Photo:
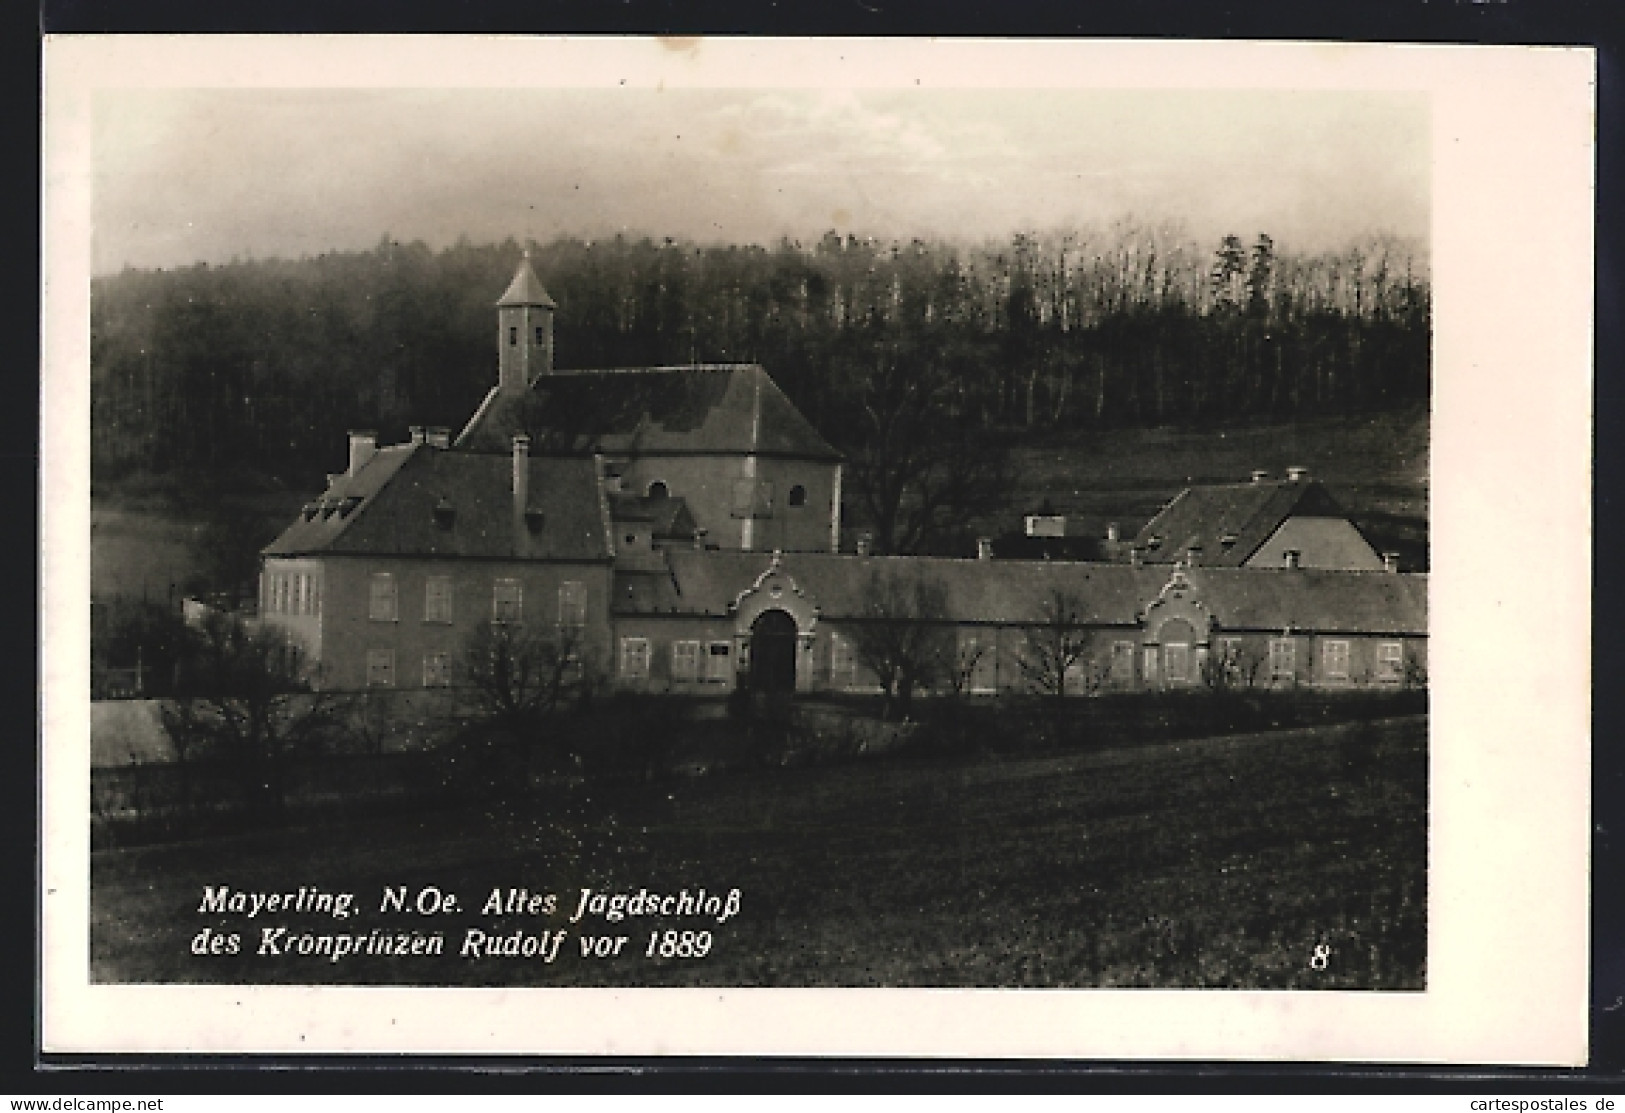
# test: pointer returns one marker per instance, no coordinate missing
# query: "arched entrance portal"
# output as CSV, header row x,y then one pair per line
x,y
773,652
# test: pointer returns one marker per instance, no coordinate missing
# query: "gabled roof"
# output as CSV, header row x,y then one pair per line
x,y
389,509
526,289
1231,520
1012,592
710,409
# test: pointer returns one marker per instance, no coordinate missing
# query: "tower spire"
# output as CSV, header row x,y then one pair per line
x,y
524,330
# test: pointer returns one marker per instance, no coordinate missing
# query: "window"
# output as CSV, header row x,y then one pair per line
x,y
685,660
635,658
1122,662
315,594
1075,680
513,337
1335,660
1283,659
507,601
658,490
1176,661
381,607
843,662
1390,662
718,663
437,670
1148,667
437,599
572,604
541,336
978,654
798,495
380,668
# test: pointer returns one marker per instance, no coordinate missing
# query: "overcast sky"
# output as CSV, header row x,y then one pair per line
x,y
184,176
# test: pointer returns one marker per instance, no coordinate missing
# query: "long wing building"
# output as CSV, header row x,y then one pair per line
x,y
683,524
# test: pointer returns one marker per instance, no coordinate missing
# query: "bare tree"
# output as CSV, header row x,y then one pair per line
x,y
515,679
922,469
1055,659
902,634
1231,667
244,696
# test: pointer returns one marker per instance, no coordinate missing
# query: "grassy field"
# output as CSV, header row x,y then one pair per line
x,y
1209,863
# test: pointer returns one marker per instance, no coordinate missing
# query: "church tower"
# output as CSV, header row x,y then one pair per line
x,y
524,332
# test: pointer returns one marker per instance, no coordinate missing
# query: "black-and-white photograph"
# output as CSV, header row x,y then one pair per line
x,y
761,537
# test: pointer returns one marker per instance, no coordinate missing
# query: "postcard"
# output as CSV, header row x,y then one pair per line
x,y
837,547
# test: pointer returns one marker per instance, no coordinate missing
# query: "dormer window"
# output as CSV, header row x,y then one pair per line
x,y
534,519
347,507
658,490
311,509
445,515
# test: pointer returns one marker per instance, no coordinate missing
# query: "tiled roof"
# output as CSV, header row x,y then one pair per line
x,y
1006,591
389,508
707,408
1245,514
526,289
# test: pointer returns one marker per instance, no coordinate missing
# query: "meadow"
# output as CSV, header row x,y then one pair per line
x,y
1283,859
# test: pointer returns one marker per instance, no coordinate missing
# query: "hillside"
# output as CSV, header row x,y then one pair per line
x,y
1376,465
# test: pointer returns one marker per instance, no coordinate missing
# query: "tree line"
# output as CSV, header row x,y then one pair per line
x,y
923,351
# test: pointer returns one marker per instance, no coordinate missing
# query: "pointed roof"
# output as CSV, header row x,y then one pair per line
x,y
704,409
1231,520
526,288
418,500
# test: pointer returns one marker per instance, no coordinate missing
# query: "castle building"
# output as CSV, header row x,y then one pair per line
x,y
682,526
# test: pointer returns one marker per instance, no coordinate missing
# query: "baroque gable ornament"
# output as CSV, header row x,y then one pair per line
x,y
1178,589
775,592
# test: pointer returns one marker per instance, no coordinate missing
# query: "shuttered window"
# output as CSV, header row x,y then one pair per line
x,y
507,601
382,607
685,660
437,599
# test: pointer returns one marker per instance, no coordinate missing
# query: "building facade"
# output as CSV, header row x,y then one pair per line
x,y
680,528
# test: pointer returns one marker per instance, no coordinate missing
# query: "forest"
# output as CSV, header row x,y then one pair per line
x,y
906,355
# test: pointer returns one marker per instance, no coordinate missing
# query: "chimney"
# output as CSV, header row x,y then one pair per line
x,y
1297,475
437,436
866,544
521,473
1292,557
984,548
1046,524
417,433
1390,562
1259,475
1112,533
363,447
